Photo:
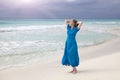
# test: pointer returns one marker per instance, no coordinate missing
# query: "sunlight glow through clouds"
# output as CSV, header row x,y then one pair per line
x,y
70,0
22,2
27,1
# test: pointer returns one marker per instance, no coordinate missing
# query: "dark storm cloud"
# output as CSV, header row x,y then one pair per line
x,y
62,9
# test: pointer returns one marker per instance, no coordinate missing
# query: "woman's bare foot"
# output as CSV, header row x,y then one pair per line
x,y
75,71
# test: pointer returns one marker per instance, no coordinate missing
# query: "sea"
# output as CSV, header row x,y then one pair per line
x,y
25,41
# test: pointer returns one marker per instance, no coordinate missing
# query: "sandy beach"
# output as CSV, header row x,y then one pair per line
x,y
100,62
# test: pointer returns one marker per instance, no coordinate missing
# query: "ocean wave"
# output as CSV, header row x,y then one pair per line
x,y
89,26
95,28
28,28
103,23
14,48
3,23
26,47
87,44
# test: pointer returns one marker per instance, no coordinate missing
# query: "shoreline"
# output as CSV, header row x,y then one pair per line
x,y
81,50
46,56
97,62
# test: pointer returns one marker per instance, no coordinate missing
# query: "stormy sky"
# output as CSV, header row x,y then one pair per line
x,y
35,9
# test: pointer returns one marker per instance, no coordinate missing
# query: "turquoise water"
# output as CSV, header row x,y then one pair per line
x,y
25,41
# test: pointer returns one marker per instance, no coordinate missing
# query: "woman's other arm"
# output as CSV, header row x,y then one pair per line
x,y
80,24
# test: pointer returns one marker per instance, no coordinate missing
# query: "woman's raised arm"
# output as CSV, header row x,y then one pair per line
x,y
80,24
67,22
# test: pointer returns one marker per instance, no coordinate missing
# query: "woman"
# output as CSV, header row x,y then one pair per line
x,y
71,57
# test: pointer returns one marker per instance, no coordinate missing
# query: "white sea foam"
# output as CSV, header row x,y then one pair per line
x,y
28,28
108,23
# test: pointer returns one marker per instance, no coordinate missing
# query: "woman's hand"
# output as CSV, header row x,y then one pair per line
x,y
67,22
80,24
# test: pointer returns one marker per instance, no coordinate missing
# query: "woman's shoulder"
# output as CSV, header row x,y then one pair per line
x,y
68,26
76,29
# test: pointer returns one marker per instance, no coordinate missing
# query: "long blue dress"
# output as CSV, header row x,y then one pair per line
x,y
71,57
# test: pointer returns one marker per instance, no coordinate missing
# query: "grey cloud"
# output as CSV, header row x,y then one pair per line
x,y
63,9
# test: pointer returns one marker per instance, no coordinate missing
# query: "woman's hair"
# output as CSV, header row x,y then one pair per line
x,y
76,22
